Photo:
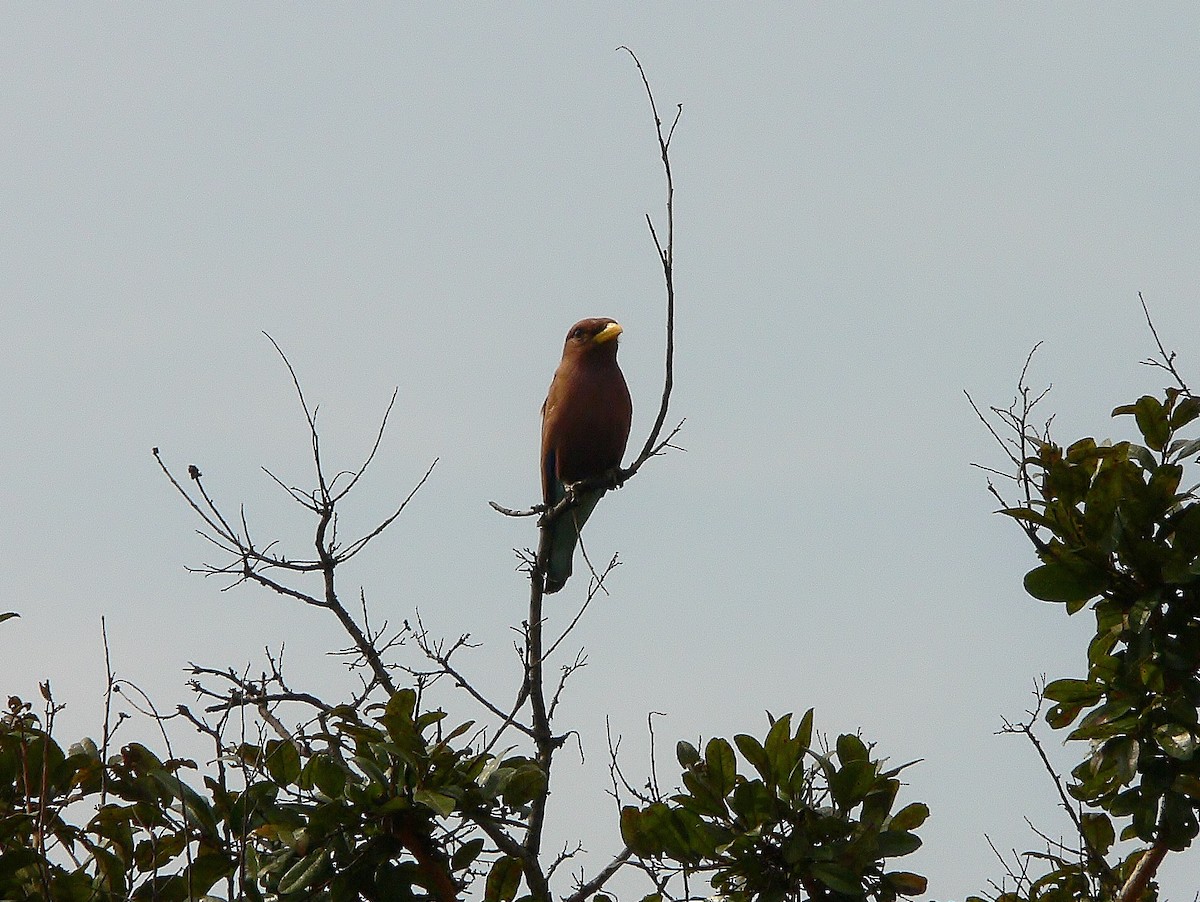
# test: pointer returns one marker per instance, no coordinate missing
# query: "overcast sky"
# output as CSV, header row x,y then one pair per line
x,y
878,207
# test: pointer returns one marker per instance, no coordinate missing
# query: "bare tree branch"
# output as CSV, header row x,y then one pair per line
x,y
1167,361
1025,728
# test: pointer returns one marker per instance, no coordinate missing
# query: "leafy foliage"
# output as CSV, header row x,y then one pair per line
x,y
375,813
390,808
802,824
1121,532
1115,531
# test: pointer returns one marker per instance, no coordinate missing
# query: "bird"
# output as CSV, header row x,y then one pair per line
x,y
585,426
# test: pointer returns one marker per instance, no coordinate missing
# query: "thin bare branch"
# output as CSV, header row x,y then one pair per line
x,y
1168,359
593,590
593,886
358,544
666,256
284,590
357,474
109,682
296,494
509,512
568,669
441,658
310,416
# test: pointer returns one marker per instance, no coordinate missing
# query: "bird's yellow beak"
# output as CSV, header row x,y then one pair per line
x,y
608,333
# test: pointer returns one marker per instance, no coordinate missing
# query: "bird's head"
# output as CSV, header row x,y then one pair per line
x,y
593,335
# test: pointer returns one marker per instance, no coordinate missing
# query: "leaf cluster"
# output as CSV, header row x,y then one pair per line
x,y
378,807
1119,530
151,836
1115,531
800,823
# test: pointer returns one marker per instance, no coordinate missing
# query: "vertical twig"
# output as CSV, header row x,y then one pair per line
x,y
108,694
543,738
666,256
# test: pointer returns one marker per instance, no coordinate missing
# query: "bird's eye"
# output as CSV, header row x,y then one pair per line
x,y
577,333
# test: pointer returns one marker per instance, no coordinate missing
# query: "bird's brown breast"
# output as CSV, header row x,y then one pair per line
x,y
586,417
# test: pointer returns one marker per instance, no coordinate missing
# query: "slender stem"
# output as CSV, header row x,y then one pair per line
x,y
666,256
543,738
594,885
108,694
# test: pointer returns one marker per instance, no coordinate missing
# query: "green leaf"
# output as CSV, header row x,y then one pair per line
x,y
1028,515
1081,451
633,835
1098,831
402,704
664,831
909,817
1177,741
197,810
779,750
466,853
851,748
701,798
838,878
283,761
1076,692
1152,421
1185,411
1188,784
904,883
686,753
1185,525
439,802
527,783
753,803
503,880
1125,803
1143,456
1121,754
1113,718
753,752
458,731
804,732
303,872
851,783
371,770
896,843
160,889
1059,582
878,804
1179,824
322,771
722,766
1182,450
206,870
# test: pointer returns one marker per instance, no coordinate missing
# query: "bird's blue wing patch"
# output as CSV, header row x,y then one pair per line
x,y
555,490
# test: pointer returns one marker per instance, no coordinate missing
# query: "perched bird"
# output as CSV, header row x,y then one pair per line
x,y
585,425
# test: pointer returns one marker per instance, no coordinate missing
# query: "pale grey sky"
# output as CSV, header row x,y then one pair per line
x,y
878,206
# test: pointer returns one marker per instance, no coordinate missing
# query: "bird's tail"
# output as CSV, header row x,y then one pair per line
x,y
559,540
